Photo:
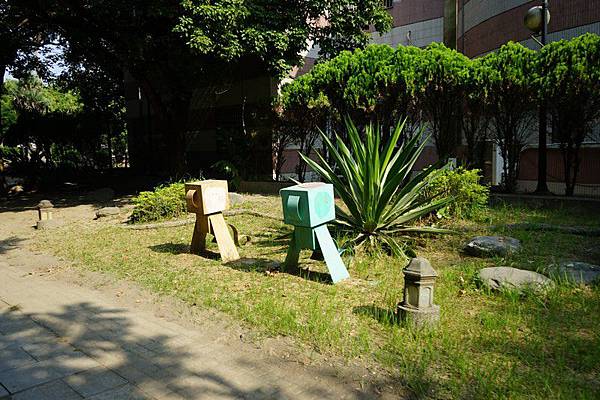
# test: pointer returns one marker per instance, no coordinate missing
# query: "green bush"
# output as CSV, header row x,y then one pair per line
x,y
470,197
165,202
227,171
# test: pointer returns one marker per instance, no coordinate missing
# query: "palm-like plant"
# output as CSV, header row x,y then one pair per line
x,y
376,186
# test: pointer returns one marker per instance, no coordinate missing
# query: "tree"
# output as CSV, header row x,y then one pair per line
x,y
167,44
45,117
440,87
510,72
303,116
8,112
21,37
276,31
375,84
475,115
569,80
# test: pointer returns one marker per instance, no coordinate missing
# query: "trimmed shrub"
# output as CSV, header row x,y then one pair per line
x,y
165,202
470,197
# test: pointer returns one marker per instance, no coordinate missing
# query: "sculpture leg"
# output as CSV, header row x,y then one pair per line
x,y
293,254
236,235
224,241
199,235
334,262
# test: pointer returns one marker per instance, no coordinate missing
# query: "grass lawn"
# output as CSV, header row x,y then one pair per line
x,y
488,345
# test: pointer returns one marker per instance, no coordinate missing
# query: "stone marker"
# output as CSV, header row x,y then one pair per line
x,y
107,212
45,210
489,246
417,307
45,220
577,272
512,278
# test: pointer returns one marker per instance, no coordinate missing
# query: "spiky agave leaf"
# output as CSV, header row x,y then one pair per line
x,y
375,184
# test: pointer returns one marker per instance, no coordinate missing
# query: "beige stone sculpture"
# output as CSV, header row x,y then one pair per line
x,y
208,199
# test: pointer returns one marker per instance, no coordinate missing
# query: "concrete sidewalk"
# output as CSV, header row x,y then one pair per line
x,y
61,341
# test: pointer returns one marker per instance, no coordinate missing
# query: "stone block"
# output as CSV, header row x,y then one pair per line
x,y
127,392
107,212
55,390
94,381
22,378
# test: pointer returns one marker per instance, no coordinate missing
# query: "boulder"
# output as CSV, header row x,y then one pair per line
x,y
14,190
513,278
107,212
235,199
577,272
489,246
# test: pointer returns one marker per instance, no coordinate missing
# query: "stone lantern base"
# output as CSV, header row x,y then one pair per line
x,y
419,318
47,224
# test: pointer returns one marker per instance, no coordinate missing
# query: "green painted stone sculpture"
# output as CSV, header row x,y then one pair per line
x,y
309,206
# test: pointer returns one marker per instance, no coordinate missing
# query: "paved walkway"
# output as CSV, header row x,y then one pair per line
x,y
63,341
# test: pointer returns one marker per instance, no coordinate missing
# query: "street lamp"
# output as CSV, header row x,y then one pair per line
x,y
536,20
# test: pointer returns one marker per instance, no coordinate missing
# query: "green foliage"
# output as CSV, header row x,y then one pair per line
x,y
381,84
374,181
376,84
475,112
276,32
510,73
469,196
55,129
440,87
7,109
569,81
228,171
164,202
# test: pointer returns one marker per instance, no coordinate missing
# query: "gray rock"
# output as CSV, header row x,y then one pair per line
x,y
235,198
513,278
16,189
489,246
107,212
104,194
577,272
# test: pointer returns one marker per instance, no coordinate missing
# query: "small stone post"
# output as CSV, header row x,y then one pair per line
x,y
44,214
417,308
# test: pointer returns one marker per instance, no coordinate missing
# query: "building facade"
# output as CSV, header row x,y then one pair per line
x,y
475,28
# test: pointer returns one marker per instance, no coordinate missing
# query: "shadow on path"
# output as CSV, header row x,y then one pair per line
x,y
34,356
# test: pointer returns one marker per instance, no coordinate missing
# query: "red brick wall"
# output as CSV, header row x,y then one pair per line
x,y
496,31
589,170
407,12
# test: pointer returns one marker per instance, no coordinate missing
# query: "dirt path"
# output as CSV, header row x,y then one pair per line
x,y
65,334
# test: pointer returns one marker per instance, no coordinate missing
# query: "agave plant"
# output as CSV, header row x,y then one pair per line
x,y
376,186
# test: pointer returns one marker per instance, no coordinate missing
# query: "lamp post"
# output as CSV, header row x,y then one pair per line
x,y
536,20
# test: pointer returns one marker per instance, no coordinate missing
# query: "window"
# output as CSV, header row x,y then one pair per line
x,y
388,3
